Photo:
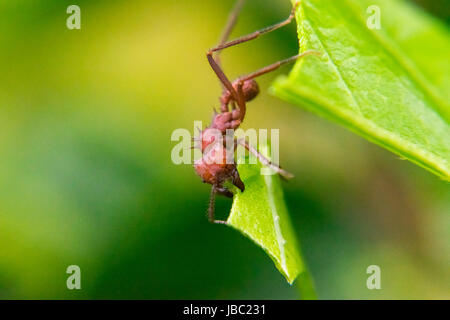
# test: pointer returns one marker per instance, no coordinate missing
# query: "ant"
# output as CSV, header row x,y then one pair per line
x,y
215,166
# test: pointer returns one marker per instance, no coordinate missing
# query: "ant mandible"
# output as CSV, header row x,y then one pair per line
x,y
215,167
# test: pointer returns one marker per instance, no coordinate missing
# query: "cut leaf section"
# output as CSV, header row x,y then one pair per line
x,y
385,84
260,213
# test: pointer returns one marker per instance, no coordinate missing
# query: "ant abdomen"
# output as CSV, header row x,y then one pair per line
x,y
217,166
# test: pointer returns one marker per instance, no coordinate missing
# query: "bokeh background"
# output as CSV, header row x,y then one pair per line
x,y
86,177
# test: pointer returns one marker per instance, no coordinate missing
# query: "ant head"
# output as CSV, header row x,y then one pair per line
x,y
250,88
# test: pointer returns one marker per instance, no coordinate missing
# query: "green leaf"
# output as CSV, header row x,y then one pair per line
x,y
260,213
391,86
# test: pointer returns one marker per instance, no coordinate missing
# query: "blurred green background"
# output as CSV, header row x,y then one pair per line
x,y
86,177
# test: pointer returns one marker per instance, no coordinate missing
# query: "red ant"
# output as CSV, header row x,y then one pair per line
x,y
213,167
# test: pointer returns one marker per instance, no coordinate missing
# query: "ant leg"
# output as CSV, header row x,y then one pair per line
x,y
212,200
215,65
221,75
232,19
237,181
238,95
241,100
240,81
257,33
277,64
224,192
285,174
